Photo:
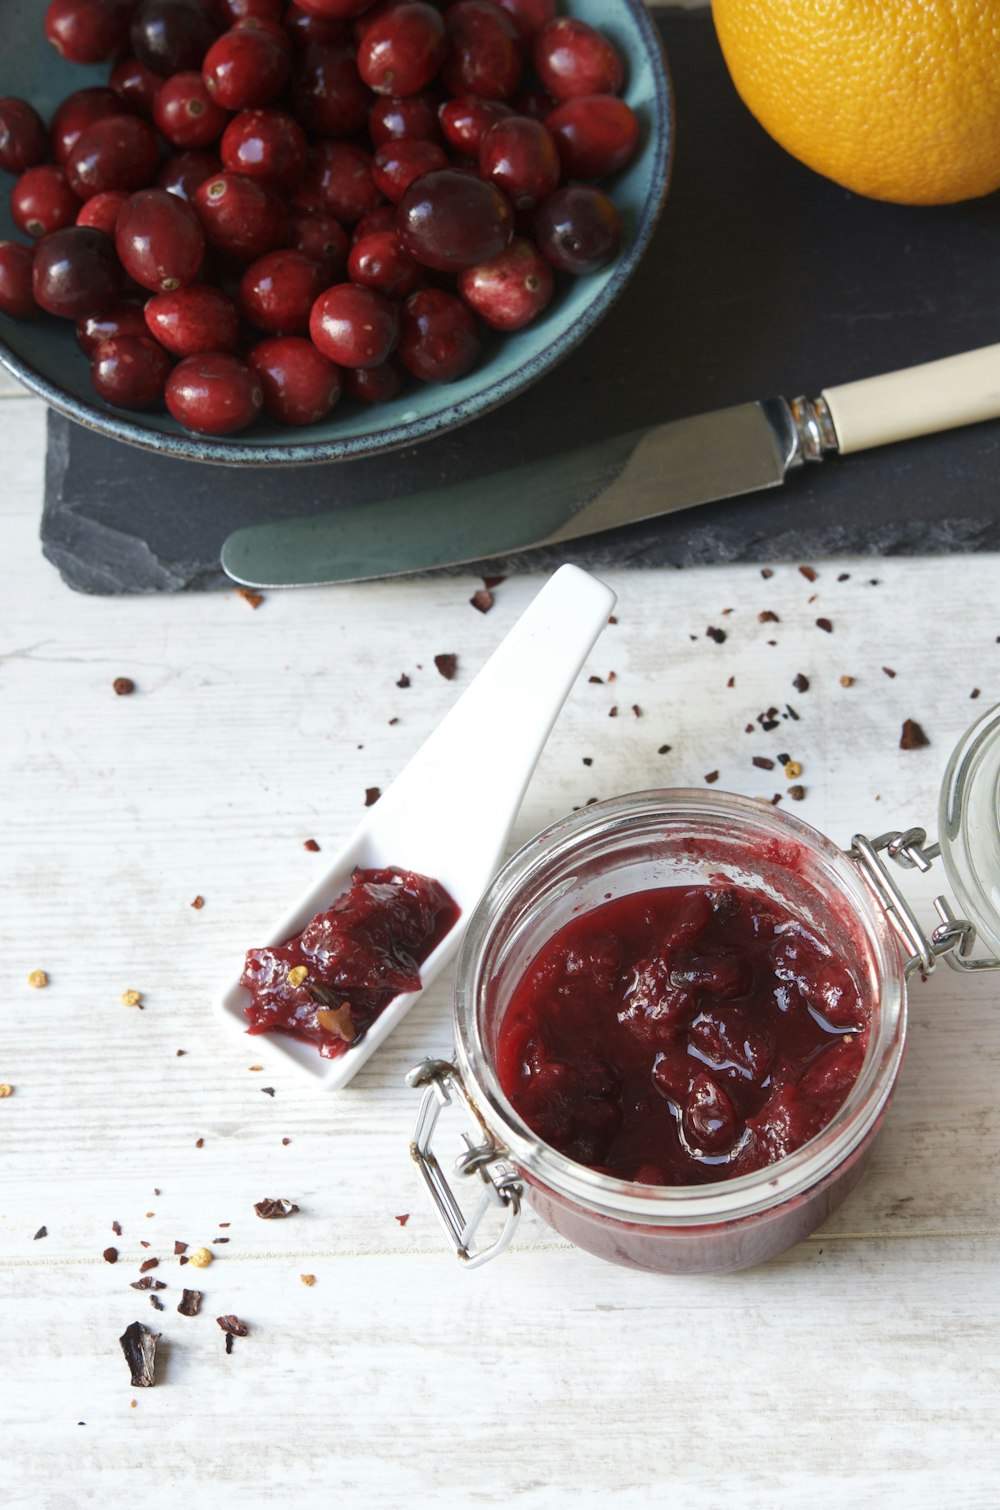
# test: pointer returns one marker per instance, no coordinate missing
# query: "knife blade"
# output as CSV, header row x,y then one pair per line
x,y
614,482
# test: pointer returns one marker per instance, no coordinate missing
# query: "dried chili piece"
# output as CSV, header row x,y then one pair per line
x,y
138,1344
447,665
273,1208
482,599
912,736
190,1302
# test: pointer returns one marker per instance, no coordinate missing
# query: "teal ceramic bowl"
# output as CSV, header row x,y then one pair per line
x,y
44,354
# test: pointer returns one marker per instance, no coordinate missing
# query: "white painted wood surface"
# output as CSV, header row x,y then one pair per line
x,y
860,1370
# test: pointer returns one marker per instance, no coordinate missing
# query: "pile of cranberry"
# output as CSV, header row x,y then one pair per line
x,y
270,203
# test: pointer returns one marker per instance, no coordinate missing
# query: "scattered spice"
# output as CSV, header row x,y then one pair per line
x,y
38,980
796,793
267,1090
138,1344
190,1302
308,1279
198,903
588,760
637,710
393,722
124,686
110,1255
131,998
790,713
612,676
844,576
825,625
116,1228
201,1258
809,572
766,616
285,1142
233,1327
613,712
482,600
763,763
372,794
801,683
297,975
493,581
447,665
793,768
255,599
311,846
913,736
731,682
42,1232
143,1244
147,1264
272,1208
596,680
712,776
199,1142
718,635
179,1248
147,1282
404,681
402,1220
612,618
847,681
664,749
179,1053
6,1090
766,573
255,1066
889,672
974,693
156,1303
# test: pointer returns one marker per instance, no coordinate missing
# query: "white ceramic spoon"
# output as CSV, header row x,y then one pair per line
x,y
449,812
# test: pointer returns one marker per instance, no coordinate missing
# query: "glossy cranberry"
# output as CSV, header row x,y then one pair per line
x,y
76,272
214,394
101,211
299,383
130,371
77,113
595,135
119,152
402,51
323,239
397,164
241,216
42,201
338,181
265,144
450,219
710,1120
278,291
466,119
24,142
510,290
135,85
328,94
194,319
16,297
232,11
520,157
171,36
573,59
304,28
382,218
528,16
379,262
354,326
337,10
125,318
484,54
392,119
438,336
186,171
186,113
578,229
159,240
247,67
88,31
374,385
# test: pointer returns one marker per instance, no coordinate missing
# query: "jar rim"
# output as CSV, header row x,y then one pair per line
x,y
970,847
681,1205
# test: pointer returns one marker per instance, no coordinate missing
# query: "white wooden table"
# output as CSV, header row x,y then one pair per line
x,y
861,1369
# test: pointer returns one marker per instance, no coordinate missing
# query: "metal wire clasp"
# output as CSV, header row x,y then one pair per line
x,y
442,1085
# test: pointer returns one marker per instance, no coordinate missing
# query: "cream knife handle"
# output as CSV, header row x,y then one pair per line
x,y
958,390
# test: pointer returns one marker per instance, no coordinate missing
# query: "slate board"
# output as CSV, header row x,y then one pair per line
x,y
763,278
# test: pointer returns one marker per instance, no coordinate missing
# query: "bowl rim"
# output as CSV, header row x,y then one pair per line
x,y
219,451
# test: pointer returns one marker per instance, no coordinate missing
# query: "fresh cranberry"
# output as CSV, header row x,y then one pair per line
x,y
214,394
241,216
160,240
354,326
572,59
247,67
382,218
193,319
125,318
135,85
484,54
130,371
596,134
300,385
88,31
402,51
508,291
76,272
265,144
102,210
16,297
337,10
338,181
184,173
323,239
119,152
529,16
438,336
278,291
77,113
450,219
391,119
42,201
171,36
24,142
232,11
328,94
520,157
374,385
466,119
304,27
578,229
187,114
397,164
379,262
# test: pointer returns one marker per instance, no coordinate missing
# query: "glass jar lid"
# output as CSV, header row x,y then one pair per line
x,y
969,826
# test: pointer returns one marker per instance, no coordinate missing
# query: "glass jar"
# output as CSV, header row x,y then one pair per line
x,y
684,838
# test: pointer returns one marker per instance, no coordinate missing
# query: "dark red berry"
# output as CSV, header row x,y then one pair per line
x,y
520,157
242,217
328,95
88,31
24,142
571,59
438,336
396,164
193,319
338,181
510,290
403,50
125,318
451,219
247,67
391,119
130,371
265,144
77,113
184,173
466,119
378,261
484,55
135,85
578,229
382,218
232,11
119,152
187,114
16,297
278,291
101,211
171,36
160,240
42,201
338,10
214,394
534,103
354,326
76,272
323,239
595,135
529,16
304,27
374,385
299,384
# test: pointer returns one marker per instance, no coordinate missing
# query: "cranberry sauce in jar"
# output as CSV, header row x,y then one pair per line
x,y
682,1035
